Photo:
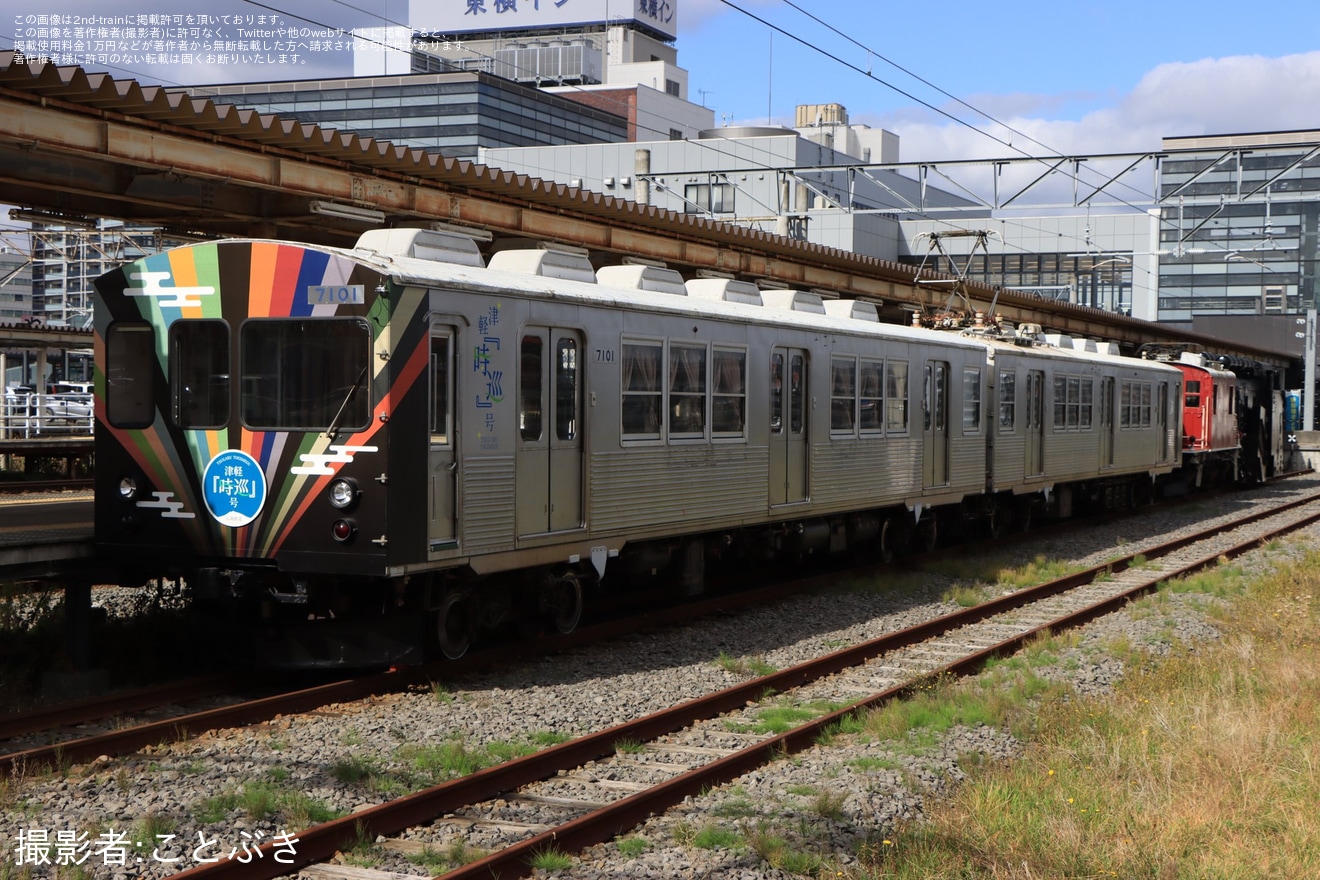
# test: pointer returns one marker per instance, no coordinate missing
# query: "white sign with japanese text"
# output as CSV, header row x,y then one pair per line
x,y
465,16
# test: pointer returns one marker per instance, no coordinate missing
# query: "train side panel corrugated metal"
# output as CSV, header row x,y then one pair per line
x,y
1009,460
967,462
487,511
640,488
867,473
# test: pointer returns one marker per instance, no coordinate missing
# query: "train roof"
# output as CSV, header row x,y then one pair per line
x,y
421,258
411,271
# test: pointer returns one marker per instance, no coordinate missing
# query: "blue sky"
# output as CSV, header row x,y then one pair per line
x,y
1084,76
1103,76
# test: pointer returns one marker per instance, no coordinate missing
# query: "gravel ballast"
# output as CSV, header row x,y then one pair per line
x,y
843,794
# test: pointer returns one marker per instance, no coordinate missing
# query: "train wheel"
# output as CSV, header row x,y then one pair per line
x,y
887,542
928,534
453,625
564,602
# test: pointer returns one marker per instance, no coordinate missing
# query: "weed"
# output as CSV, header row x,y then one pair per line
x,y
714,837
551,860
631,847
752,667
628,747
829,804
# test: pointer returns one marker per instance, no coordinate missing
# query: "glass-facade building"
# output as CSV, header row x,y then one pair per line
x,y
1238,225
451,113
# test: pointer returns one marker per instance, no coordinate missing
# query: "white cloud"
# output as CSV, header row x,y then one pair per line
x,y
1246,93
693,15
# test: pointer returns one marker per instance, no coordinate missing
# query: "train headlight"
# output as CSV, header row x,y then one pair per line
x,y
343,493
343,530
128,488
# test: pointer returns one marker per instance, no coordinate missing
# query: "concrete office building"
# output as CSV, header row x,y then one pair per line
x,y
15,284
758,176
465,77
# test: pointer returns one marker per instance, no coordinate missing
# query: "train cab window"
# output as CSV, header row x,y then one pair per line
x,y
896,397
871,399
843,395
971,400
566,389
1193,393
642,410
529,379
687,391
306,374
1007,401
442,413
729,393
199,374
129,365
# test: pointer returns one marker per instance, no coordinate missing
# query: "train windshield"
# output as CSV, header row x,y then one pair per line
x,y
305,374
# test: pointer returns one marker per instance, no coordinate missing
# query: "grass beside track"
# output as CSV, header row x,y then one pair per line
x,y
1202,764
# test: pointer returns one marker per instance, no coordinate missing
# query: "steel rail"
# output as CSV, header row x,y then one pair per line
x,y
321,842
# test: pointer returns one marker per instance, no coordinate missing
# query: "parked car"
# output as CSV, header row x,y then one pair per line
x,y
69,400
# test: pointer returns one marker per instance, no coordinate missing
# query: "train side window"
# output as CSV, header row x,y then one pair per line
x,y
1086,408
529,379
566,388
896,397
199,374
776,394
729,393
687,391
843,395
441,410
641,410
971,399
797,388
871,398
1193,393
1135,407
1007,401
130,364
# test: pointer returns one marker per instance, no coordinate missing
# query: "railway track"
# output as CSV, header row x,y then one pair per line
x,y
105,726
612,780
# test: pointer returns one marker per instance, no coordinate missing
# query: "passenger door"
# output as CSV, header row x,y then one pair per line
x,y
935,424
443,463
1162,422
1107,422
1035,460
789,462
549,470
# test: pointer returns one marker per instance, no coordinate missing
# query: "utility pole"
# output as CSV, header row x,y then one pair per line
x,y
1308,393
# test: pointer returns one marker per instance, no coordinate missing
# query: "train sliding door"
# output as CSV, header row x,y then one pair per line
x,y
789,462
442,464
1107,422
549,472
935,452
1035,459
